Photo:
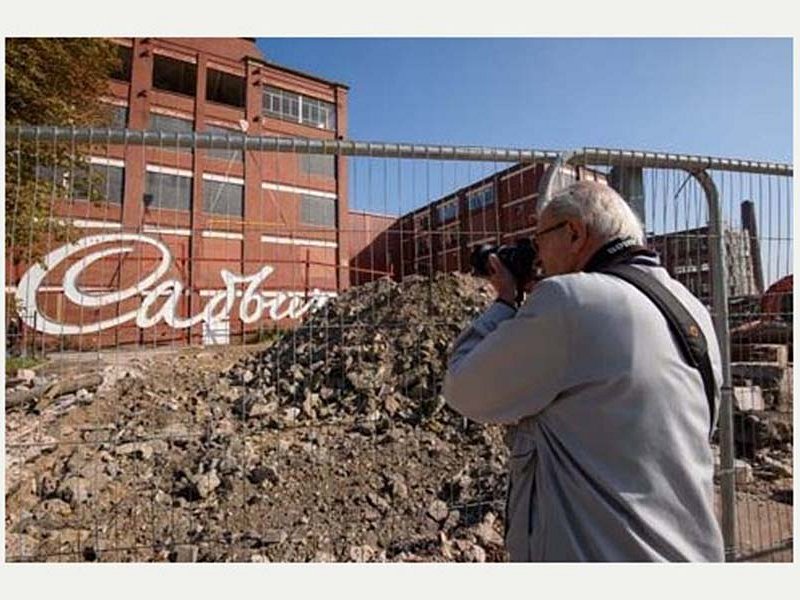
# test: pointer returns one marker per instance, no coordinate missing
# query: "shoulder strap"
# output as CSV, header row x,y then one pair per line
x,y
691,341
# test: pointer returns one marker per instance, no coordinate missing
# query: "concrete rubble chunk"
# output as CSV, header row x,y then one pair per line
x,y
137,449
438,511
26,375
487,534
206,483
186,554
747,398
362,553
323,556
75,490
20,547
780,468
378,502
743,472
274,536
398,488
474,553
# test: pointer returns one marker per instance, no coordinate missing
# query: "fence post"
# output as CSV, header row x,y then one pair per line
x,y
548,179
719,298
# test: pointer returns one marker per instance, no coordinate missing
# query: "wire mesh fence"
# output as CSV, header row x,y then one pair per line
x,y
262,326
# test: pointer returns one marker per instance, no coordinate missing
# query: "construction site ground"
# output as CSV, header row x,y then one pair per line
x,y
111,479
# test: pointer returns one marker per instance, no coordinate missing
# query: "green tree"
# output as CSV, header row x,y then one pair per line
x,y
50,81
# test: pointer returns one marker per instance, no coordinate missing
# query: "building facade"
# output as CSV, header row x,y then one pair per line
x,y
206,220
441,235
686,255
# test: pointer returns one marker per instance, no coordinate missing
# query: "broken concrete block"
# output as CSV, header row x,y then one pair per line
x,y
746,398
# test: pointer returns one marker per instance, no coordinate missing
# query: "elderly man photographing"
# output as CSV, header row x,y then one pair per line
x,y
609,375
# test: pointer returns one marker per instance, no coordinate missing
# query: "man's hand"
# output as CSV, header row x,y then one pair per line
x,y
502,280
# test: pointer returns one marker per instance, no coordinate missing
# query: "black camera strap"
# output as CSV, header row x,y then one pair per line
x,y
617,258
691,340
620,250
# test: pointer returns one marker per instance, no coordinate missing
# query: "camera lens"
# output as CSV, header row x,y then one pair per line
x,y
479,259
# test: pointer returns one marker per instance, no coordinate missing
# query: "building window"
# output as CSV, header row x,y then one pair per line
x,y
450,238
448,211
168,191
231,154
173,75
481,198
316,210
225,88
169,124
223,198
422,224
122,70
119,116
291,106
107,182
317,113
282,104
317,164
87,181
423,245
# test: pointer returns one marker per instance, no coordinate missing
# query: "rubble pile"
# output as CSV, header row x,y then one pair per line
x,y
332,444
378,353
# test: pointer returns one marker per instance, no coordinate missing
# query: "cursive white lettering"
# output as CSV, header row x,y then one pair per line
x,y
252,306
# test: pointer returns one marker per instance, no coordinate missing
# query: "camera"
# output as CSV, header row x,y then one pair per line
x,y
518,259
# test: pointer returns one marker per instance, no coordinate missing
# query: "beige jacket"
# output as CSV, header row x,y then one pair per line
x,y
610,459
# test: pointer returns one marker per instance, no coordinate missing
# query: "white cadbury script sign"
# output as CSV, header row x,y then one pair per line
x,y
252,307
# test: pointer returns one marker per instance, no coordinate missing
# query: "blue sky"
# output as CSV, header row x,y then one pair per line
x,y
716,96
712,96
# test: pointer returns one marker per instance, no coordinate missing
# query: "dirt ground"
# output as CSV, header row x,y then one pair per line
x,y
156,467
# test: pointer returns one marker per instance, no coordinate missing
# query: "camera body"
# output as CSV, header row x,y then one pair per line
x,y
518,258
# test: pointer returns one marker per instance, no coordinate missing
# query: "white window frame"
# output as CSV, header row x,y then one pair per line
x,y
322,108
443,207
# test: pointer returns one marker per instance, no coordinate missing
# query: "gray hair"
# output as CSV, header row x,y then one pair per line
x,y
600,207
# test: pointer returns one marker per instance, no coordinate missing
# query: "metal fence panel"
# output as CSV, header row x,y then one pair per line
x,y
317,430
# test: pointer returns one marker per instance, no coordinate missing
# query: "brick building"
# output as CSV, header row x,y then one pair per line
x,y
440,236
498,209
686,256
210,209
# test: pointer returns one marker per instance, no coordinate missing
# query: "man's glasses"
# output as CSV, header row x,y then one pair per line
x,y
540,233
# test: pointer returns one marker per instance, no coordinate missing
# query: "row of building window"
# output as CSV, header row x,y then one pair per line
x,y
477,200
449,239
308,164
174,75
178,76
95,182
174,192
225,198
291,106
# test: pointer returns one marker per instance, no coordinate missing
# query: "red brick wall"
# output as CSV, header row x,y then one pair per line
x,y
367,244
